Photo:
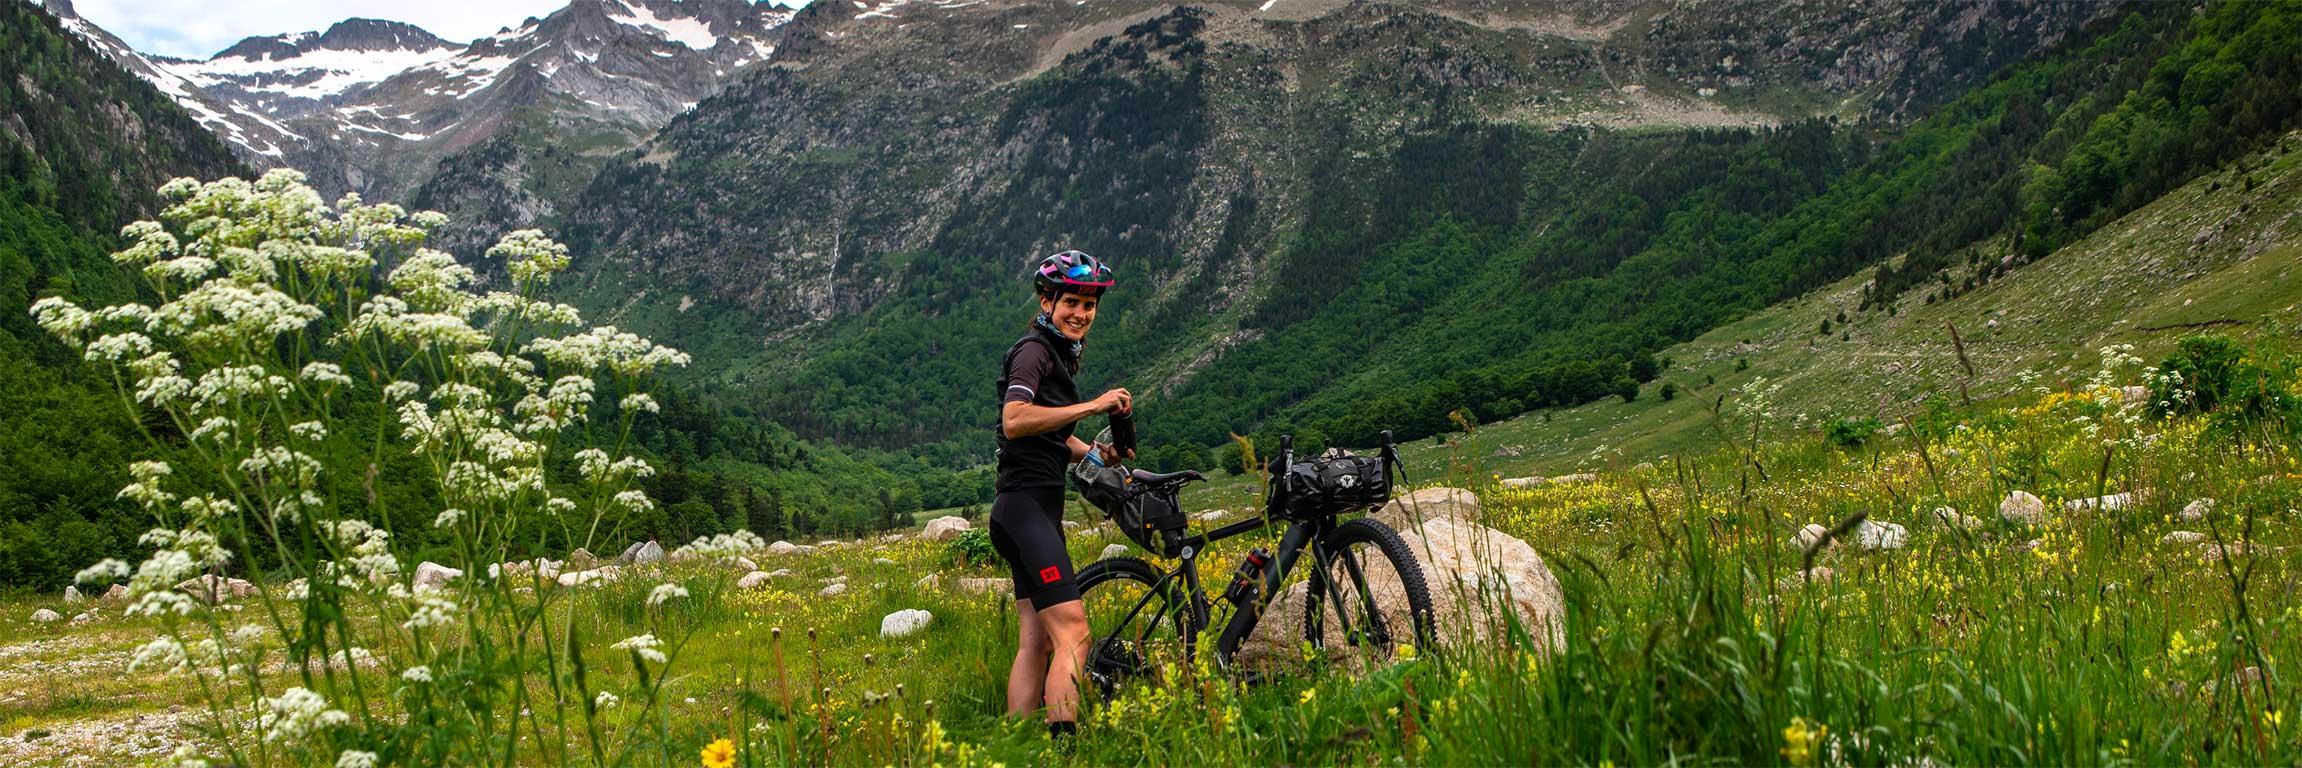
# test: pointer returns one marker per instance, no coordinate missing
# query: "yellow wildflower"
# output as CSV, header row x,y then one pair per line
x,y
719,754
1799,740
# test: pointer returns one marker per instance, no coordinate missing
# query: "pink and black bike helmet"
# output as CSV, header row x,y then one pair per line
x,y
1072,272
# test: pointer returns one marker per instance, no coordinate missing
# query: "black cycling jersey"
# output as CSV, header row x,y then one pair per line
x,y
1038,371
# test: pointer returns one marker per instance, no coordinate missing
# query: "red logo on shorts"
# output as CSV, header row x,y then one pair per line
x,y
1050,575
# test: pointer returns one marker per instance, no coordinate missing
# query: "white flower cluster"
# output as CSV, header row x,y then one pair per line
x,y
645,646
433,609
663,592
624,353
727,544
529,256
594,465
295,713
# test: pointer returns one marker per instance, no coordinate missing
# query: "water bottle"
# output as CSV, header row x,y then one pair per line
x,y
1095,455
1123,433
1248,580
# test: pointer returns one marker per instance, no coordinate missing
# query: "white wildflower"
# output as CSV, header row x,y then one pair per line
x,y
295,713
605,700
417,674
645,646
663,592
326,374
635,500
640,401
353,758
447,517
309,430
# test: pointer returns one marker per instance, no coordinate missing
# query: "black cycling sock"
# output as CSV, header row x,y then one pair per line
x,y
1059,729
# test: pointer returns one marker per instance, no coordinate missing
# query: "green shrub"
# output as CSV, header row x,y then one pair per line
x,y
1850,433
973,547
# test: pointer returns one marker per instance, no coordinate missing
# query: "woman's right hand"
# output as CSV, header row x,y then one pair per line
x,y
1115,401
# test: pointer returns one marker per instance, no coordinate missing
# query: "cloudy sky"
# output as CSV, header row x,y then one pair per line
x,y
199,28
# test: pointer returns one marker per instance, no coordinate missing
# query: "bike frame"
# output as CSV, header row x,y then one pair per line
x,y
1299,536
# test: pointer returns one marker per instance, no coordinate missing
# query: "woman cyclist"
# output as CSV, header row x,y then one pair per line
x,y
1039,404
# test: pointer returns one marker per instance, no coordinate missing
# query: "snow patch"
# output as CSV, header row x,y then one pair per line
x,y
689,32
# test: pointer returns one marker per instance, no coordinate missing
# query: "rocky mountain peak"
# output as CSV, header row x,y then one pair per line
x,y
347,35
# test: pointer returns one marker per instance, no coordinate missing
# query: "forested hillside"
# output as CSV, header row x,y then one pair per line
x,y
1373,218
83,147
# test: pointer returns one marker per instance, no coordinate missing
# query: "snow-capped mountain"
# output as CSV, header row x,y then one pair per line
x,y
372,106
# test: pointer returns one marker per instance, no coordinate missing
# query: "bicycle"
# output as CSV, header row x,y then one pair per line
x,y
1344,586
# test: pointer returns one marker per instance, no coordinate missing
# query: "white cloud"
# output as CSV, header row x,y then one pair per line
x,y
198,29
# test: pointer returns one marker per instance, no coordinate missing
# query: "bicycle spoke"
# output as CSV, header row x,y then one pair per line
x,y
1374,618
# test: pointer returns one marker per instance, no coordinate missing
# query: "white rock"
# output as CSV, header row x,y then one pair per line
x,y
2182,537
2022,508
642,553
1951,517
2197,510
829,543
1579,477
806,549
839,579
1807,536
117,594
833,589
984,585
882,561
1211,515
904,623
45,616
215,590
742,563
605,574
753,580
1872,534
1525,482
783,548
945,528
431,575
1070,525
1430,503
1815,575
88,617
929,581
2110,503
72,596
1461,561
581,559
1114,550
779,573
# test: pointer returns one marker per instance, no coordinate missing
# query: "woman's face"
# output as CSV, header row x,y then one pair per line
x,y
1073,314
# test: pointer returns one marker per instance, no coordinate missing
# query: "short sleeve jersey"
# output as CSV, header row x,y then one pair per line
x,y
1035,373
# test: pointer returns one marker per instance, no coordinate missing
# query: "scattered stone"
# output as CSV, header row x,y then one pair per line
x,y
46,616
72,596
1807,536
985,585
1114,550
86,617
929,581
742,563
431,575
753,580
1473,573
605,574
581,559
1525,482
117,594
783,548
904,623
641,553
2182,538
2022,508
1644,466
2197,510
1433,503
1952,518
829,543
1579,477
839,579
2134,394
216,590
1211,515
1872,534
806,549
1815,575
779,573
1070,525
833,589
2110,503
882,561
2028,546
945,528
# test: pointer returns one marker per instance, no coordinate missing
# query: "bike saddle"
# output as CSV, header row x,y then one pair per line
x,y
1155,478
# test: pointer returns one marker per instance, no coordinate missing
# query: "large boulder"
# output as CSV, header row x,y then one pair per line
x,y
605,574
431,575
1114,550
1807,536
2110,503
216,590
753,580
783,548
945,528
2022,508
1873,534
904,623
117,594
1470,570
2197,510
72,596
641,553
46,616
1432,503
1952,518
581,559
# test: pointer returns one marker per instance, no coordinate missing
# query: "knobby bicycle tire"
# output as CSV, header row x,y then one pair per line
x,y
1168,625
1329,622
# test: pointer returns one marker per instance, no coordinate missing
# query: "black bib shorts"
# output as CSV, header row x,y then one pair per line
x,y
1027,529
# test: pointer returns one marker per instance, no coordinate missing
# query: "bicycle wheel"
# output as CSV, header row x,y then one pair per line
x,y
1134,620
1367,599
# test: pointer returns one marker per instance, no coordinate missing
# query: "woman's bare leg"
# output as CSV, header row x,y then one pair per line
x,y
1066,634
1027,680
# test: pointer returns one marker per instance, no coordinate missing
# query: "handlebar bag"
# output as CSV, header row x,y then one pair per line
x,y
1333,485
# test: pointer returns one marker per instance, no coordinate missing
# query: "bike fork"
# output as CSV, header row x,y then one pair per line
x,y
1291,546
